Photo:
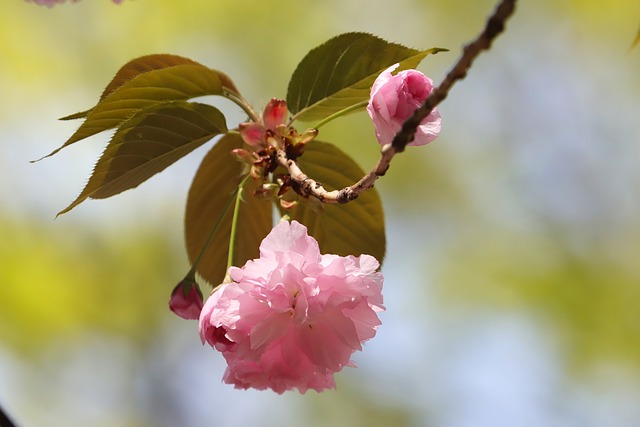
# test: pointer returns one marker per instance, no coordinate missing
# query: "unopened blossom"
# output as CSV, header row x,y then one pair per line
x,y
274,115
186,299
394,99
293,317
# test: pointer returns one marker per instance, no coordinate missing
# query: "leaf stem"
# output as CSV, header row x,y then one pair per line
x,y
5,420
192,273
340,113
234,223
242,103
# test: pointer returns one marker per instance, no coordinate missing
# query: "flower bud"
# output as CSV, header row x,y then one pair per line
x,y
275,114
308,135
394,99
252,133
186,299
244,156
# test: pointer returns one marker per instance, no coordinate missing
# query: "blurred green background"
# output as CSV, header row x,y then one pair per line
x,y
512,281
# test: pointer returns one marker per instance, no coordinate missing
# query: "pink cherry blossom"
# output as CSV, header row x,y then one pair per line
x,y
394,98
186,299
50,3
274,115
293,317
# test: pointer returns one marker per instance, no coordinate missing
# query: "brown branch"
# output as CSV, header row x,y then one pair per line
x,y
308,186
495,25
5,421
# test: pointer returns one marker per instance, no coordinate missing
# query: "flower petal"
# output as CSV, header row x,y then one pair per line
x,y
252,133
275,113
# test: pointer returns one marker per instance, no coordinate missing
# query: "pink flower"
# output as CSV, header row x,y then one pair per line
x,y
186,299
394,98
293,317
274,115
50,3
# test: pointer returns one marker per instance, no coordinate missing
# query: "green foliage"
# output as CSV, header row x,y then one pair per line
x,y
352,229
146,102
147,143
146,89
132,69
215,182
339,73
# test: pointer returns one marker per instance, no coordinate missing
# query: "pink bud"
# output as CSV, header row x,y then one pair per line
x,y
186,300
252,133
394,99
275,113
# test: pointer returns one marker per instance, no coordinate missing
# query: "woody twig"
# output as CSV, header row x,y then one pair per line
x,y
309,187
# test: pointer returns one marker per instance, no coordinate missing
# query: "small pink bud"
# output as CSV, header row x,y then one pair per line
x,y
186,299
252,133
395,98
275,113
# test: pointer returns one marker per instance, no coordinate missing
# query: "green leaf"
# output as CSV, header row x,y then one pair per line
x,y
153,87
351,229
339,73
636,41
132,69
147,143
216,179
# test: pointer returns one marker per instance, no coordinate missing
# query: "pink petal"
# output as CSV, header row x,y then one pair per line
x,y
275,113
252,133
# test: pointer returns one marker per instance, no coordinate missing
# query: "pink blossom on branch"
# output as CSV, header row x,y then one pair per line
x,y
50,3
394,98
274,116
293,317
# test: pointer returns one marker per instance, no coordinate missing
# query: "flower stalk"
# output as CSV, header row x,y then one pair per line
x,y
340,113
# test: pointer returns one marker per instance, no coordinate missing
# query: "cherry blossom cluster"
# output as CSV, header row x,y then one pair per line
x,y
294,317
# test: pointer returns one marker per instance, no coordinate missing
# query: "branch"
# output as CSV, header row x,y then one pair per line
x,y
5,421
495,25
308,186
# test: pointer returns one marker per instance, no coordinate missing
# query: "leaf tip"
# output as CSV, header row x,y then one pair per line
x,y
79,115
44,157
